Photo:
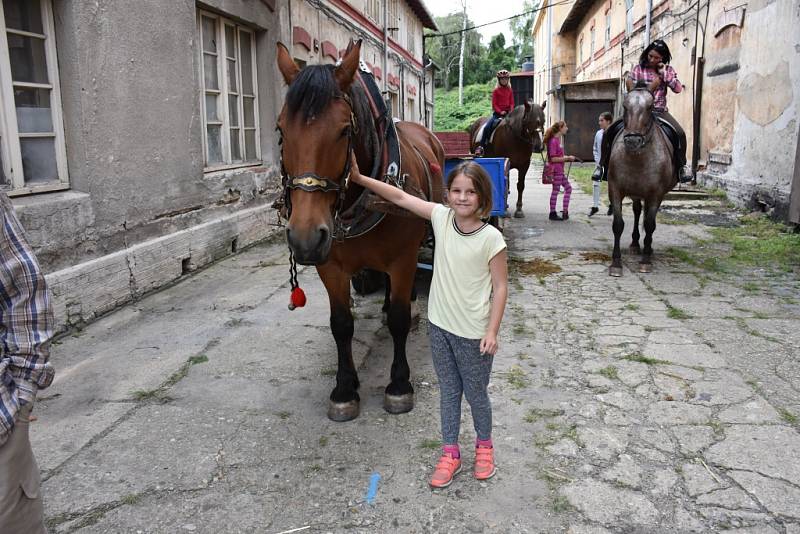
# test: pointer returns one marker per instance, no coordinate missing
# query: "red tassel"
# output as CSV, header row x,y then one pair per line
x,y
297,299
435,168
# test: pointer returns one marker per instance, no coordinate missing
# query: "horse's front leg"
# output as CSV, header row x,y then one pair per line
x,y
344,399
637,212
399,394
522,172
651,210
617,226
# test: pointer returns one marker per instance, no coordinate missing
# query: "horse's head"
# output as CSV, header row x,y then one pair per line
x,y
317,127
638,118
533,123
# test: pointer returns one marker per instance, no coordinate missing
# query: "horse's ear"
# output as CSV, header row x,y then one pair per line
x,y
544,104
349,45
527,105
286,64
347,68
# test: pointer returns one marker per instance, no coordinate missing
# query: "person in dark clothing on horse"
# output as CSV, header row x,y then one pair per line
x,y
654,73
502,105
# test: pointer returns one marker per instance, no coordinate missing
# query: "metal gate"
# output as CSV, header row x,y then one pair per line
x,y
581,117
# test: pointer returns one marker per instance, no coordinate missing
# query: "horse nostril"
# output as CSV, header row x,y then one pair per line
x,y
323,235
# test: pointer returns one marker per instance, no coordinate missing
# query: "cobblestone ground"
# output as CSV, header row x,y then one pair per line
x,y
652,403
674,394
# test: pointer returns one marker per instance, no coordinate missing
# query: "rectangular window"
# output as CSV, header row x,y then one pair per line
x,y
628,17
591,43
394,14
32,150
410,110
608,29
580,52
411,38
373,10
230,101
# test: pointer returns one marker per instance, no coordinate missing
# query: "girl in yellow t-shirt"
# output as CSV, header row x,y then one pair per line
x,y
467,299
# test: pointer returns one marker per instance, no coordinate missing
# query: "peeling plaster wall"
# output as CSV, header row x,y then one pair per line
x,y
131,91
765,125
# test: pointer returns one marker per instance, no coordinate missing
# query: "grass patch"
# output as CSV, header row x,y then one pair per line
x,y
596,257
536,414
328,371
583,177
284,415
430,444
787,416
751,287
130,499
677,313
537,267
561,504
717,427
516,377
157,395
641,358
201,358
761,242
323,441
609,372
632,307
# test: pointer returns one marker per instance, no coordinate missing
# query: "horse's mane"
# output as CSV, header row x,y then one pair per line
x,y
313,90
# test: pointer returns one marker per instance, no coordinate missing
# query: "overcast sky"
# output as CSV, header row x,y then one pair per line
x,y
480,12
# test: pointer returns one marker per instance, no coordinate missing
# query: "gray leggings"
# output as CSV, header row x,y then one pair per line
x,y
461,368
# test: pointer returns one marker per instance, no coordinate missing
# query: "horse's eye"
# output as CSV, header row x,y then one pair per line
x,y
346,131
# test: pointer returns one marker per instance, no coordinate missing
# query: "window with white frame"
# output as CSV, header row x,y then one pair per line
x,y
628,17
411,37
394,13
32,150
591,43
230,101
608,29
580,51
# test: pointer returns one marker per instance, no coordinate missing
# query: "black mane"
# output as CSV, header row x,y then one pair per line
x,y
312,91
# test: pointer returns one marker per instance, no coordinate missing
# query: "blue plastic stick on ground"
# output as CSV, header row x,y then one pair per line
x,y
373,487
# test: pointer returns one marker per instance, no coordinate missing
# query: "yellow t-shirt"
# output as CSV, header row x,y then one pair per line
x,y
460,294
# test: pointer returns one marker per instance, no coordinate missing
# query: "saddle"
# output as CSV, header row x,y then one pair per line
x,y
479,133
672,135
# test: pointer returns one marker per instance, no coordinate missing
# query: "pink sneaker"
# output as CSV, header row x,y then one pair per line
x,y
446,469
484,463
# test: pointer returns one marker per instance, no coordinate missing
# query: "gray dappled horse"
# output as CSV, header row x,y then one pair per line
x,y
640,167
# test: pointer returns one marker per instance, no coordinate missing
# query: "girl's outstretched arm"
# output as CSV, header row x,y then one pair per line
x,y
415,205
498,267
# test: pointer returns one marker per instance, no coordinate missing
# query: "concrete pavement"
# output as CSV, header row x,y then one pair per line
x,y
665,402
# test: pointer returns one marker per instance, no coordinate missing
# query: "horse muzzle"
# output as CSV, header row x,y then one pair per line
x,y
634,142
310,247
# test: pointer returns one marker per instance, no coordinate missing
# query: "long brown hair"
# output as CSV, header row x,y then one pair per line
x,y
480,181
552,131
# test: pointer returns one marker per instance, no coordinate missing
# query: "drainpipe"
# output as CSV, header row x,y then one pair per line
x,y
549,61
647,22
385,47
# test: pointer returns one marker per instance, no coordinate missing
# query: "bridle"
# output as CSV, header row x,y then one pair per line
x,y
647,135
311,182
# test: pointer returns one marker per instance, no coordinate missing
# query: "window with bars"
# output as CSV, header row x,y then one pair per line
x,y
32,149
230,101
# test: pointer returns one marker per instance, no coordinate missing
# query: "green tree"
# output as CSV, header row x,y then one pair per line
x,y
444,50
499,56
521,31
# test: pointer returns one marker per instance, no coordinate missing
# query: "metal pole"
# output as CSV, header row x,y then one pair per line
x,y
385,46
647,22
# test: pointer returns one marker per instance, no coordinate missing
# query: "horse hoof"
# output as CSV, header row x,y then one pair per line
x,y
645,267
398,403
518,214
343,411
615,271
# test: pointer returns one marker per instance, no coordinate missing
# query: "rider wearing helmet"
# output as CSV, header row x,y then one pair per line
x,y
502,105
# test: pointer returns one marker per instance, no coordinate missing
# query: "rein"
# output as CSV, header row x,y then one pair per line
x,y
311,182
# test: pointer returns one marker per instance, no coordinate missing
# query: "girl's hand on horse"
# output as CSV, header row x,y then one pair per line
x,y
355,174
488,346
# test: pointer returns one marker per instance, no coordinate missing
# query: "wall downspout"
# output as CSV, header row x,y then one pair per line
x,y
385,48
549,61
647,23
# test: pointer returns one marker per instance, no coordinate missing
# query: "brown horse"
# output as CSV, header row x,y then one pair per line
x,y
517,137
326,118
640,167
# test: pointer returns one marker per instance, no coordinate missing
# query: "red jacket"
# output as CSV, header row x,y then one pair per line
x,y
503,99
